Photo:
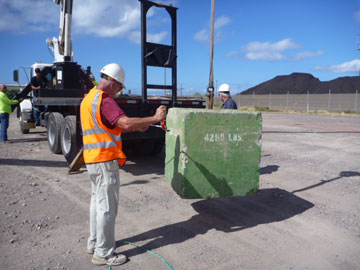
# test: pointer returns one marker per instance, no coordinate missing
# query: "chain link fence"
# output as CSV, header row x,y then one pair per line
x,y
308,102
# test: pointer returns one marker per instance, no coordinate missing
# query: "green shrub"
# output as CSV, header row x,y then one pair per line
x,y
11,93
264,109
349,111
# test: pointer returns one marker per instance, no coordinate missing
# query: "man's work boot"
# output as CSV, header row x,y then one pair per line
x,y
114,259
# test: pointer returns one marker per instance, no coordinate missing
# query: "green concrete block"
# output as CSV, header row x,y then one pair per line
x,y
213,153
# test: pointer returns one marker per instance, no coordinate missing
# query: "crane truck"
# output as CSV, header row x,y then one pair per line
x,y
68,83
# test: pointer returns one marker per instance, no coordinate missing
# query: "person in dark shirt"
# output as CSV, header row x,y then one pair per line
x,y
37,82
228,101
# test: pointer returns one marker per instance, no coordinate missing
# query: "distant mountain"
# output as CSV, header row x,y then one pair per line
x,y
300,83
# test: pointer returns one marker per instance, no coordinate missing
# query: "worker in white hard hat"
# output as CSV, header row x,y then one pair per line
x,y
103,122
228,101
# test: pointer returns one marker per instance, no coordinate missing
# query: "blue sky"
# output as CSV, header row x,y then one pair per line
x,y
254,40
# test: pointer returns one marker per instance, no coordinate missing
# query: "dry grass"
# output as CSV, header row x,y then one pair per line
x,y
311,112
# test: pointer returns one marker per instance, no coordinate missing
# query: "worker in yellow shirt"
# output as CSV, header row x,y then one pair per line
x,y
5,110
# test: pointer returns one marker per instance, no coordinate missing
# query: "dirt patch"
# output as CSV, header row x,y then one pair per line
x,y
305,216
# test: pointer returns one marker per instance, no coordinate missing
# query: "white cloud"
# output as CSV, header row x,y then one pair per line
x,y
233,54
134,36
106,18
221,22
204,34
157,38
110,18
265,55
22,16
357,16
307,54
347,67
268,51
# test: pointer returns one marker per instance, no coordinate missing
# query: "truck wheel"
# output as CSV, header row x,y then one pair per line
x,y
21,122
68,138
55,122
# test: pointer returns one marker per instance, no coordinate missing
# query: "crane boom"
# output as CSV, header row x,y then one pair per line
x,y
62,46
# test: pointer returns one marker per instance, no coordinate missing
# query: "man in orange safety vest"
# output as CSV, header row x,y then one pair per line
x,y
102,122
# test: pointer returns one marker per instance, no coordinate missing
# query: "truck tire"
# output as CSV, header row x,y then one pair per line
x,y
68,138
21,122
55,122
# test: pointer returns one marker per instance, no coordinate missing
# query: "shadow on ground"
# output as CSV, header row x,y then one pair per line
x,y
323,182
29,140
33,162
226,215
269,169
145,165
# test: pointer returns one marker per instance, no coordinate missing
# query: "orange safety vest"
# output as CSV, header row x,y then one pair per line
x,y
100,142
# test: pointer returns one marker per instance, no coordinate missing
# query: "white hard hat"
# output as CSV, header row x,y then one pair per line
x,y
113,72
224,88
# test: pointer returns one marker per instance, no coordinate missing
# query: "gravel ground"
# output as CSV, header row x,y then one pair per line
x,y
306,214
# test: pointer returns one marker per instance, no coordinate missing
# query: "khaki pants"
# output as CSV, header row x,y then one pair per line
x,y
105,183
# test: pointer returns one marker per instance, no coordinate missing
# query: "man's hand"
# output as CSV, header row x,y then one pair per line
x,y
128,124
160,113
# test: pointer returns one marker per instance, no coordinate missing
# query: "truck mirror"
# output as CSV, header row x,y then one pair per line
x,y
16,75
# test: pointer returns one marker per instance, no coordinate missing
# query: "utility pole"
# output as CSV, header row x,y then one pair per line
x,y
166,92
307,101
210,89
181,88
358,47
356,97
